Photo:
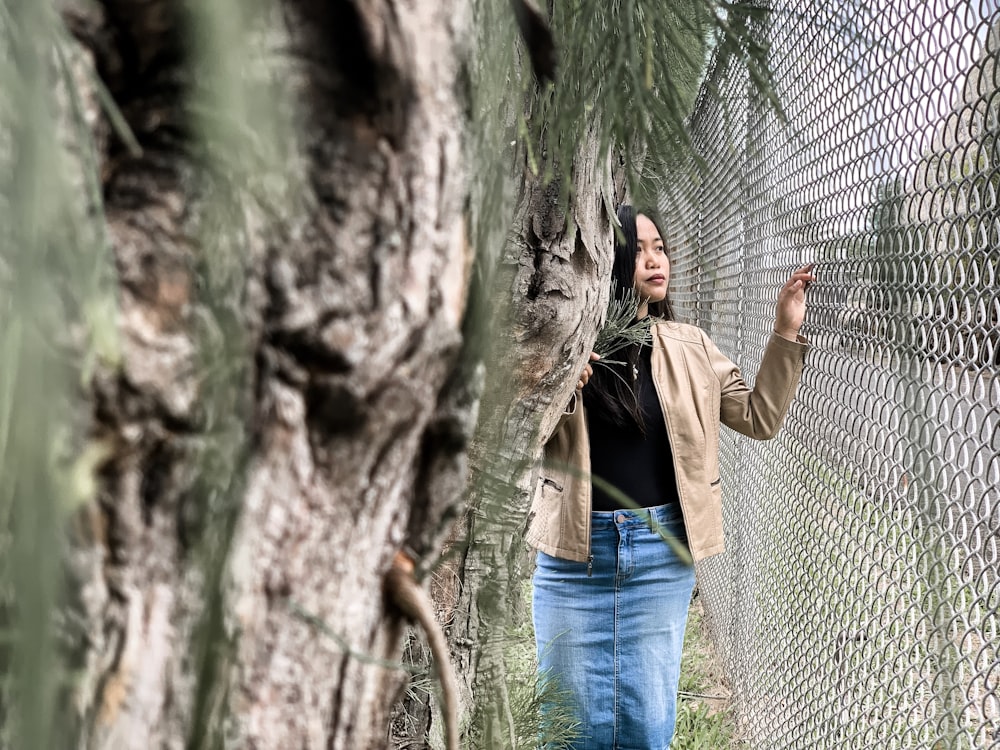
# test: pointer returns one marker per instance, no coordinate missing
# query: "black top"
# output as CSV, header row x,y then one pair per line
x,y
640,465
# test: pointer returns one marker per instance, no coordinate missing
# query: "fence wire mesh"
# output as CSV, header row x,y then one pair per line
x,y
857,605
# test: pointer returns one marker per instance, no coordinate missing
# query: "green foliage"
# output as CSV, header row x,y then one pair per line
x,y
621,329
629,72
57,318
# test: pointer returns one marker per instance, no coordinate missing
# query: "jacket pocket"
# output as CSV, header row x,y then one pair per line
x,y
716,483
550,482
546,509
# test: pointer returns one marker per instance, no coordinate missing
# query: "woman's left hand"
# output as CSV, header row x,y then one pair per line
x,y
792,303
588,370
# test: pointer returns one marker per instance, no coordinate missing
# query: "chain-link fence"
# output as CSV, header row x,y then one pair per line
x,y
857,605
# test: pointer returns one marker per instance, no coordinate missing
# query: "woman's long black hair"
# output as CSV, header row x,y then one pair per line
x,y
610,389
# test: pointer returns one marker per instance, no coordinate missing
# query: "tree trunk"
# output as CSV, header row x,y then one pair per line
x,y
550,302
288,411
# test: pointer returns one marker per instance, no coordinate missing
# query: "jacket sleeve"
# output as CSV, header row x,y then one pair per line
x,y
759,411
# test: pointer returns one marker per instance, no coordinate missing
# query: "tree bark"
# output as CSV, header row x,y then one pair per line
x,y
340,436
550,301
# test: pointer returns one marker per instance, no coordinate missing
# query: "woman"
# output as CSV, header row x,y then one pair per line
x,y
610,597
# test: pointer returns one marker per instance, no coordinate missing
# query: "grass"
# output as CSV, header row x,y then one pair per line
x,y
703,723
698,728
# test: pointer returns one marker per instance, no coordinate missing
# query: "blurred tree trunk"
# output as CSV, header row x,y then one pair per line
x,y
288,411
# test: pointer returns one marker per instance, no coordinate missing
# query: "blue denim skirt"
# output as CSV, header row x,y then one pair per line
x,y
610,636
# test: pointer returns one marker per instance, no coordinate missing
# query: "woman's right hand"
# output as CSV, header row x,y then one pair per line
x,y
588,370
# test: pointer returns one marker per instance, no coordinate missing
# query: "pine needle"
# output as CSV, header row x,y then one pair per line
x,y
621,329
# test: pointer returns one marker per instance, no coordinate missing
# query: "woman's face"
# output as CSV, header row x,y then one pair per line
x,y
652,267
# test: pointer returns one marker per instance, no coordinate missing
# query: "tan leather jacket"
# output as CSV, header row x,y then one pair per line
x,y
699,387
